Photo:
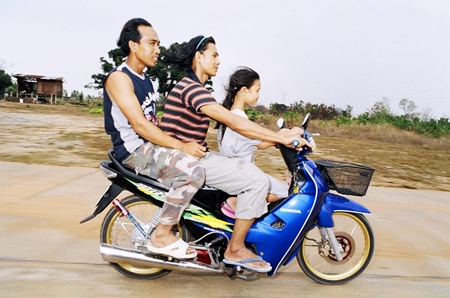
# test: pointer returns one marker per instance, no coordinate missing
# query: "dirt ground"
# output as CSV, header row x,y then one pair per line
x,y
69,136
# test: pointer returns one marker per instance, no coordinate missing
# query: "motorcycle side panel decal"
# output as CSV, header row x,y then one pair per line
x,y
157,194
200,215
192,213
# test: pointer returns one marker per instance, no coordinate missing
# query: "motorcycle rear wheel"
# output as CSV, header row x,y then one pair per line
x,y
355,235
119,231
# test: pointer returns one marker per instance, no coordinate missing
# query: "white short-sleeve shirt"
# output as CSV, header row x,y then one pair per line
x,y
234,144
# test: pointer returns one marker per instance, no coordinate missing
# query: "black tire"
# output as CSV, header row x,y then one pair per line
x,y
355,234
118,231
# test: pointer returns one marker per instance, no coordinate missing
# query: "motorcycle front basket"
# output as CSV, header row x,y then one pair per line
x,y
346,178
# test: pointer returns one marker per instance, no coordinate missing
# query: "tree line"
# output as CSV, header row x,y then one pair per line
x,y
381,113
6,82
166,76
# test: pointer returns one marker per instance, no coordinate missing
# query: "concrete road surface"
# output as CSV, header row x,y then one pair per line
x,y
45,252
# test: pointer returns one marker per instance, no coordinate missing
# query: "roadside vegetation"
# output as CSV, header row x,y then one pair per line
x,y
72,134
410,150
380,114
331,117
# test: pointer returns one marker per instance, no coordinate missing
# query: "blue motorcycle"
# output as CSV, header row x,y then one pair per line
x,y
327,233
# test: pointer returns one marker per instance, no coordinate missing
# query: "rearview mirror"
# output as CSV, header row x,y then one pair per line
x,y
281,123
306,121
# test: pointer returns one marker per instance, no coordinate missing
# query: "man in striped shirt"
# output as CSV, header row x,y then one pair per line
x,y
187,113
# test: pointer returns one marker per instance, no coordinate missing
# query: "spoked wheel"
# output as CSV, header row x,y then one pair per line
x,y
354,233
120,232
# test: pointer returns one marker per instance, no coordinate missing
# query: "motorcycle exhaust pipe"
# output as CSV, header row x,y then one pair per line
x,y
120,255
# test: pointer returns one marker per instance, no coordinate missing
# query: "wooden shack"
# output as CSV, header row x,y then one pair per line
x,y
39,85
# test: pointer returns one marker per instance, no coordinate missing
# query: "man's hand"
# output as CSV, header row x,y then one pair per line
x,y
192,148
288,138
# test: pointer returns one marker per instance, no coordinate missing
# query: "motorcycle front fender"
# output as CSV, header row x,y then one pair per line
x,y
334,203
110,194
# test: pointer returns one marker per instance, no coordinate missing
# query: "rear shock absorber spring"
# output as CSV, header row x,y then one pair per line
x,y
154,222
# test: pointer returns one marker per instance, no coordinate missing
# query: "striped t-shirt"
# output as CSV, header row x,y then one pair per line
x,y
182,118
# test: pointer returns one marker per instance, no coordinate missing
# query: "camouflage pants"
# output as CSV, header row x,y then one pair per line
x,y
181,173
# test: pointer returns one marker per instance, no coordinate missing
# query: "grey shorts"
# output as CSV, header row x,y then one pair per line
x,y
277,187
236,176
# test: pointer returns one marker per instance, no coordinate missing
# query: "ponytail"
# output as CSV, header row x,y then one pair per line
x,y
184,55
242,77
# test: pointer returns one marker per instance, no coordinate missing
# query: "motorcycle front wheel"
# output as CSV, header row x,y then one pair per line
x,y
354,233
120,232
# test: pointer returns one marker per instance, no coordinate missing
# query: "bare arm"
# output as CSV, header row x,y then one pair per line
x,y
265,145
121,91
248,128
284,131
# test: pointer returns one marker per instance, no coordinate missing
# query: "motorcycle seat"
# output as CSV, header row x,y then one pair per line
x,y
128,171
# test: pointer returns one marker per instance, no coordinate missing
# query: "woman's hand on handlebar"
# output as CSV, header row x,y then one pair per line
x,y
296,141
300,143
293,138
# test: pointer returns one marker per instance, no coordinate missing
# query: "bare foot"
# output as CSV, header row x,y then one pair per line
x,y
242,254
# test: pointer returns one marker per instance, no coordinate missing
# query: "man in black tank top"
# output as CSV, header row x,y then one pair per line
x,y
130,120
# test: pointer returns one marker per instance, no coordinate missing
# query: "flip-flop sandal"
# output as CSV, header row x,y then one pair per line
x,y
244,264
227,210
175,250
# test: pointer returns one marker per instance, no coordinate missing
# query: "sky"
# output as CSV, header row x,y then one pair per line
x,y
336,52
